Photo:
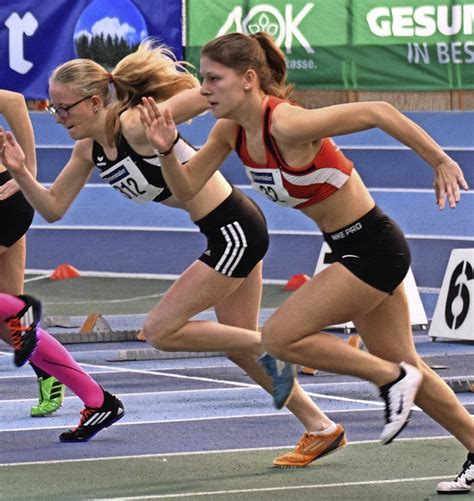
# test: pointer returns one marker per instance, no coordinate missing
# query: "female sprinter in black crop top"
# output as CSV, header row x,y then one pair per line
x,y
242,76
16,216
99,111
20,315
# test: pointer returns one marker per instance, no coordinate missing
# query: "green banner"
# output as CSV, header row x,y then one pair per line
x,y
352,44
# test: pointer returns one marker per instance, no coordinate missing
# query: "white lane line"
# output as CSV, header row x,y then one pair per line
x,y
279,489
84,227
168,421
223,381
151,276
160,229
204,453
106,301
107,274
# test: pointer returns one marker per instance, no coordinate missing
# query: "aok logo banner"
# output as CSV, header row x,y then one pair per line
x,y
352,44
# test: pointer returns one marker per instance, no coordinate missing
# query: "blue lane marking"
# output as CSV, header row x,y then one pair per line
x,y
448,128
102,206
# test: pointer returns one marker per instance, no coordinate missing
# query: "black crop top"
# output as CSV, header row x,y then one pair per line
x,y
135,176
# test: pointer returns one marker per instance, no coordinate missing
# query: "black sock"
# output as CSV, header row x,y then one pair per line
x,y
40,372
387,386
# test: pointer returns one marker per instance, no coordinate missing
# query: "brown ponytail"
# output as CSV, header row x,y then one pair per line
x,y
150,71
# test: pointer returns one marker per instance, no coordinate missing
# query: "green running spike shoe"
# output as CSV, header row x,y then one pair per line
x,y
50,396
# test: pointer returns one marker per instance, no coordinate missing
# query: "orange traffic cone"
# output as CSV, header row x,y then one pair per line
x,y
64,271
295,282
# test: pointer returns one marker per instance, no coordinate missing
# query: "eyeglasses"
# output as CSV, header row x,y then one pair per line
x,y
63,111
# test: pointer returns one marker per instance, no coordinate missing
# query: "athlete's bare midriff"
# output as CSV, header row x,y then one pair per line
x,y
346,205
214,192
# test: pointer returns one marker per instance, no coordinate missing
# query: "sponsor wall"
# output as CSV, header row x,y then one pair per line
x,y
37,36
352,44
362,45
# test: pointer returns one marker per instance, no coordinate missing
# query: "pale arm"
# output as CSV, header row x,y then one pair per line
x,y
185,181
293,125
51,203
13,108
185,105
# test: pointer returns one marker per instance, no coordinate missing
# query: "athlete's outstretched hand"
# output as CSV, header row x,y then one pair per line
x,y
160,128
448,181
12,155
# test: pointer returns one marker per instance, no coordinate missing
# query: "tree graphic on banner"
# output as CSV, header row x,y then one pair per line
x,y
107,51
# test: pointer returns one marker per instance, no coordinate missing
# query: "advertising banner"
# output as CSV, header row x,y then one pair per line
x,y
35,36
352,44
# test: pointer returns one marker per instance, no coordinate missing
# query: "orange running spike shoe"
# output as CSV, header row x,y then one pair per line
x,y
311,447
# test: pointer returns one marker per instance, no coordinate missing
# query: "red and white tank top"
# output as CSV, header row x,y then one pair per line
x,y
290,186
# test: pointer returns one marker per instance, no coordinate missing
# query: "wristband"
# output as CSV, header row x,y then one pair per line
x,y
167,152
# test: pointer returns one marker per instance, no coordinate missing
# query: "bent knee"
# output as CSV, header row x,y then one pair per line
x,y
272,342
415,360
158,336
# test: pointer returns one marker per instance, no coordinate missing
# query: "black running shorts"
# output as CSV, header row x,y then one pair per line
x,y
373,248
237,236
16,215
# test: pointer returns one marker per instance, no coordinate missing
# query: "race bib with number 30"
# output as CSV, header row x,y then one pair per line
x,y
269,183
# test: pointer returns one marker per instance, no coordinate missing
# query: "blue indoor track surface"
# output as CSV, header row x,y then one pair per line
x,y
197,427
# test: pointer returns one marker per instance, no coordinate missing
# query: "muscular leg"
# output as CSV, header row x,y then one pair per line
x,y
53,358
200,287
241,309
386,332
12,273
236,303
333,296
12,268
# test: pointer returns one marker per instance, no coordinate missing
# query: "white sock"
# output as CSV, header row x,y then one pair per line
x,y
327,430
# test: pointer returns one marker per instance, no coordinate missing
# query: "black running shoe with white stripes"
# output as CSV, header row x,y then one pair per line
x,y
93,420
399,397
23,329
463,482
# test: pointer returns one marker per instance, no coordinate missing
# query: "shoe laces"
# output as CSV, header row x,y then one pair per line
x,y
463,475
86,413
302,443
15,327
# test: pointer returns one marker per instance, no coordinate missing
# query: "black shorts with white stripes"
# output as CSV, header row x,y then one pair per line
x,y
16,215
237,236
373,248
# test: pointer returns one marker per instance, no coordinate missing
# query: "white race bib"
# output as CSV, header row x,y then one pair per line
x,y
127,178
269,183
